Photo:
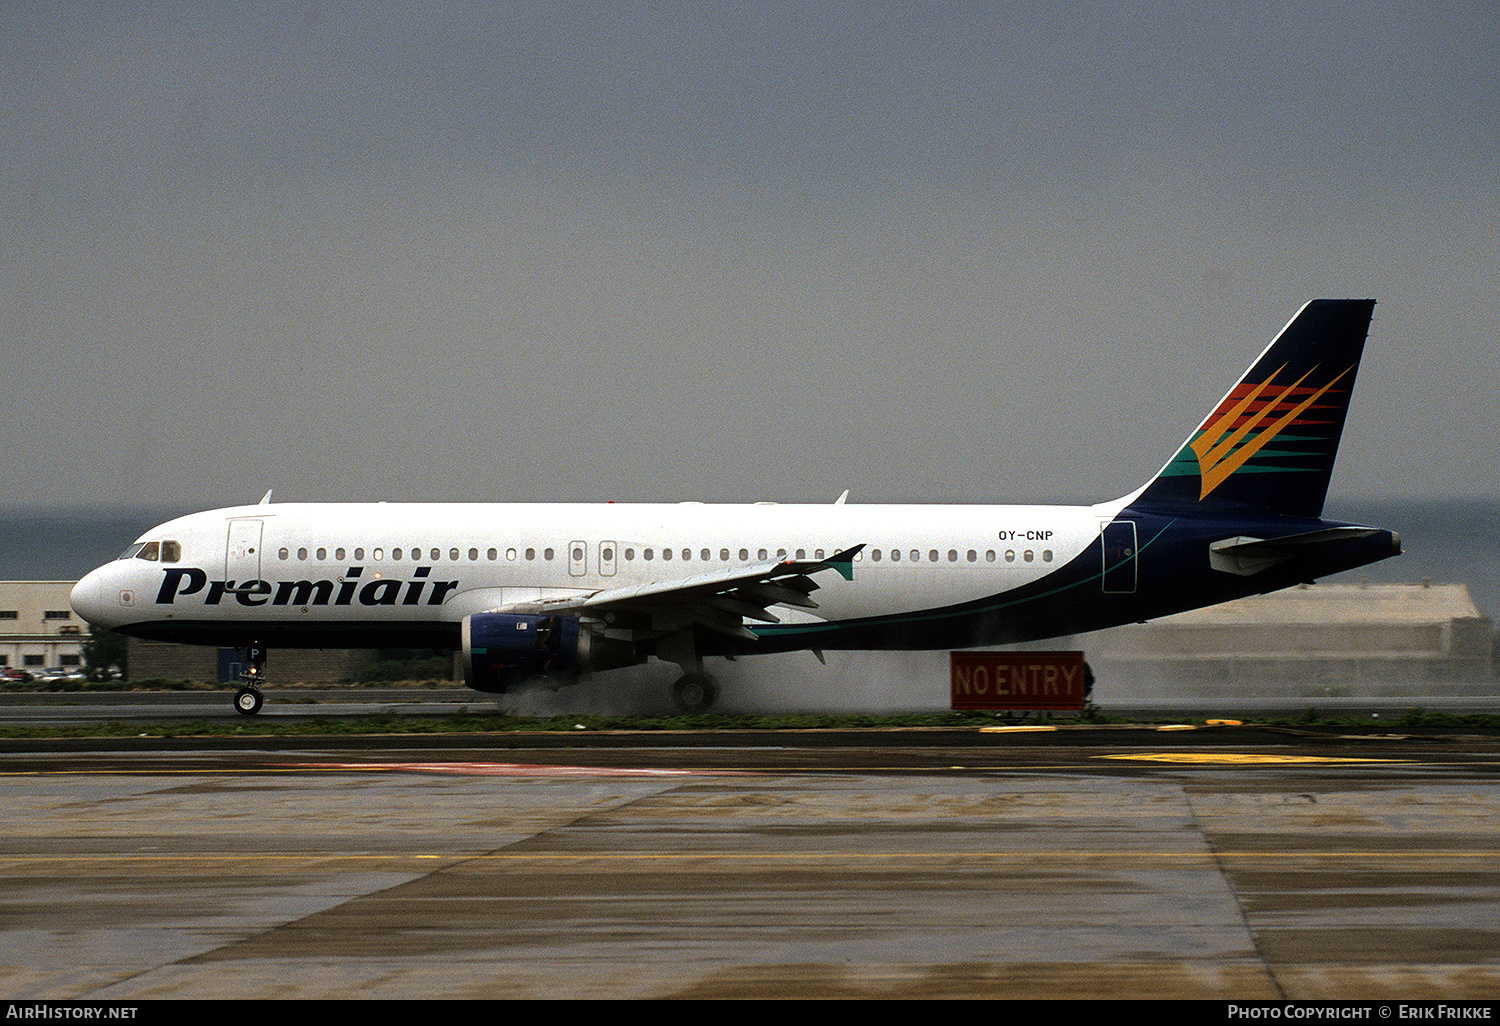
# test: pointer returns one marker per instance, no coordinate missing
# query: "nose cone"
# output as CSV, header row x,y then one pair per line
x,y
93,600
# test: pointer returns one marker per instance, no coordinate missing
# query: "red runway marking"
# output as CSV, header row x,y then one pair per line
x,y
498,769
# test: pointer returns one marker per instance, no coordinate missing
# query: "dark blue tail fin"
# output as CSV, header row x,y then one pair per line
x,y
1271,442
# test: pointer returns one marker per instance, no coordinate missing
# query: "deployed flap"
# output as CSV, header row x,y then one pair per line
x,y
1245,556
718,601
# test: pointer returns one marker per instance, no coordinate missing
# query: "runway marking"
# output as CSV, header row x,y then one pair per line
x,y
1244,758
303,858
497,769
1038,729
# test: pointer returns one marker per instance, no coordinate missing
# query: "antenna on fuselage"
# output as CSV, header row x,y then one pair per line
x,y
265,500
840,500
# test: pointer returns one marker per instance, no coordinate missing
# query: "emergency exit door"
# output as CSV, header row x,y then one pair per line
x,y
242,555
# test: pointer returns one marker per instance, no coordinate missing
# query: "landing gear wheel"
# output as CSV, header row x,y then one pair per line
x,y
247,701
694,692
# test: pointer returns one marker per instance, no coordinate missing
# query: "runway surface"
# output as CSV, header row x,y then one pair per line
x,y
1227,863
38,709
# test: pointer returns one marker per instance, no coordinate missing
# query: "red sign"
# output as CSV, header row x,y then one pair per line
x,y
1017,680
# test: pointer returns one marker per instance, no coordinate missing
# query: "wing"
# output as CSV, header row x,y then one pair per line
x,y
720,601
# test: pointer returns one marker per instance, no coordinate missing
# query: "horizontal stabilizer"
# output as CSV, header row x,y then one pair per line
x,y
1245,556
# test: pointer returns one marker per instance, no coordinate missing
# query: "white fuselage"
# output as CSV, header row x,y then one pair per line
x,y
397,563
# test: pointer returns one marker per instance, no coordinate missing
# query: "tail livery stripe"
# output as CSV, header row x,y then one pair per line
x,y
1217,462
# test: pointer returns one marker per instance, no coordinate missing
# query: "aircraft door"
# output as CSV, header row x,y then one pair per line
x,y
242,556
607,558
1121,557
578,558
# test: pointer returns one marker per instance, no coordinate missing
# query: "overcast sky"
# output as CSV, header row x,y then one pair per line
x,y
727,251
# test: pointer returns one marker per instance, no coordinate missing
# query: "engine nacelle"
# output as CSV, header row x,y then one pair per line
x,y
503,651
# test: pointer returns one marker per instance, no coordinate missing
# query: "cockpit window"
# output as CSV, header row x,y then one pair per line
x,y
167,551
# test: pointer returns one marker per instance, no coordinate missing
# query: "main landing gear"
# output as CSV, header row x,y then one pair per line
x,y
695,692
248,699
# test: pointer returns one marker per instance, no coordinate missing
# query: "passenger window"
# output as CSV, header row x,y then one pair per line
x,y
453,554
932,556
338,553
1046,555
322,553
724,555
510,554
953,555
395,553
301,553
283,554
359,553
744,555
547,554
875,555
379,553
973,556
1027,555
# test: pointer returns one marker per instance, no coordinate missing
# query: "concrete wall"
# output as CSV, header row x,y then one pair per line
x,y
1386,639
152,660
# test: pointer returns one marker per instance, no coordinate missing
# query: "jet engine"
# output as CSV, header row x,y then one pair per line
x,y
504,651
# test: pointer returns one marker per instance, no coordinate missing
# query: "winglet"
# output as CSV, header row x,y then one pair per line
x,y
843,562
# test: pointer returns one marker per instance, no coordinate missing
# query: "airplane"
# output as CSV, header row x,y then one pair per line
x,y
550,592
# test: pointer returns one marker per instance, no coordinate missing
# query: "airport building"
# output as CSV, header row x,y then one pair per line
x,y
38,629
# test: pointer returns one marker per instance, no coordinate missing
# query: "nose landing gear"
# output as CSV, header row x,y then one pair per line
x,y
248,699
